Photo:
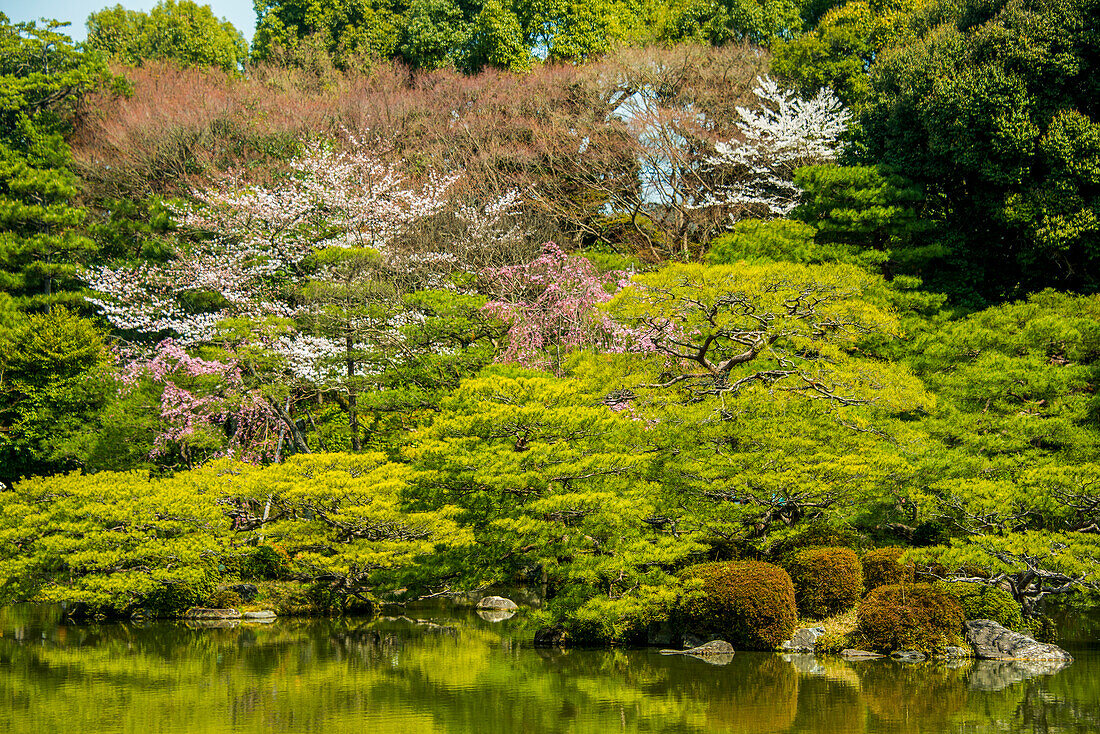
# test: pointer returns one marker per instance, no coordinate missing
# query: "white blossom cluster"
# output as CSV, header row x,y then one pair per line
x,y
249,243
784,134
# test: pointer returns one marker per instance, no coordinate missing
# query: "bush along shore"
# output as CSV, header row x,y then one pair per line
x,y
770,328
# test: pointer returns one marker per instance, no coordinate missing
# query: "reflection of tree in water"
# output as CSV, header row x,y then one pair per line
x,y
402,675
829,705
907,698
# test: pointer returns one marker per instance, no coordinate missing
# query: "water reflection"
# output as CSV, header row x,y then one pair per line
x,y
436,672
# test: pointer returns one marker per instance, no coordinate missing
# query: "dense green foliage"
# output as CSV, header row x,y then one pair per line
x,y
751,604
910,617
827,581
984,602
42,77
327,327
174,30
991,109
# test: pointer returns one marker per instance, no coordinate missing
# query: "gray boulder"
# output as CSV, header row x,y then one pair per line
x,y
714,647
204,613
853,654
991,641
715,652
247,592
265,615
497,603
909,656
803,640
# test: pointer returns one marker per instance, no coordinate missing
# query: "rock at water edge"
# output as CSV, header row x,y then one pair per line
x,y
991,641
803,640
261,615
853,654
203,613
497,603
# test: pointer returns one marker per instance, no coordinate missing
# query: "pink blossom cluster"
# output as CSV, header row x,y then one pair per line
x,y
551,307
190,404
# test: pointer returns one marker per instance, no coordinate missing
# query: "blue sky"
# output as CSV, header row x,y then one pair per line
x,y
237,12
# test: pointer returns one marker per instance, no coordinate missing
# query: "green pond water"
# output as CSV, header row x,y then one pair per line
x,y
451,671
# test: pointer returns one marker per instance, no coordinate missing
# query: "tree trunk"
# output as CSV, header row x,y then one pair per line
x,y
353,413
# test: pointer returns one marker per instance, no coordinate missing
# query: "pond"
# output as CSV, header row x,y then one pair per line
x,y
451,671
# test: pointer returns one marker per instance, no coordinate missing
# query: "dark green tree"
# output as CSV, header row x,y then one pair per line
x,y
348,31
42,76
993,110
435,32
175,30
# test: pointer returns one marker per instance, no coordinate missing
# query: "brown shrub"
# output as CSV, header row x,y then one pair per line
x,y
883,566
910,617
749,603
827,581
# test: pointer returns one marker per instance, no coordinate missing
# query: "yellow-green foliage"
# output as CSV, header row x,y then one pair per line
x,y
111,542
749,603
341,517
549,478
124,543
910,617
883,566
827,581
727,323
979,601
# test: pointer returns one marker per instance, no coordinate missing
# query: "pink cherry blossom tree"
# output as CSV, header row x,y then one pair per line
x,y
205,410
551,307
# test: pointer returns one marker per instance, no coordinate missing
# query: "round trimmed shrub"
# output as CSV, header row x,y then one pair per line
x,y
883,566
987,602
827,581
749,603
910,617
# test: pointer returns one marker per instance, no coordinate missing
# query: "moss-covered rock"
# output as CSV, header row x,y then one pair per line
x,y
910,617
883,566
827,581
749,603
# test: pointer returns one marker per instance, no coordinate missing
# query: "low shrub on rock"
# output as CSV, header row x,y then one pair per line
x,y
986,602
883,566
910,617
827,581
748,603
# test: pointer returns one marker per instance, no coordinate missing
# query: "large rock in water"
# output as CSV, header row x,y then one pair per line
x,y
714,647
803,640
497,603
991,641
715,652
203,613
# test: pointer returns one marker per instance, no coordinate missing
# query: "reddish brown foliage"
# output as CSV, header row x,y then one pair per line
x,y
750,603
883,566
910,617
553,133
827,581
